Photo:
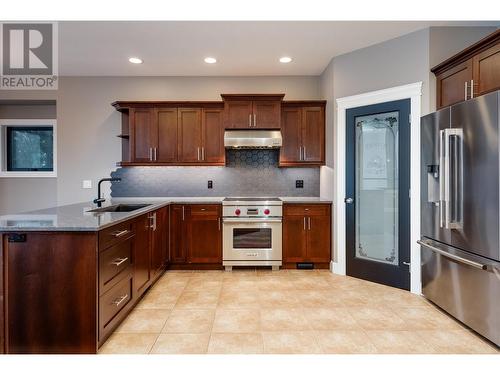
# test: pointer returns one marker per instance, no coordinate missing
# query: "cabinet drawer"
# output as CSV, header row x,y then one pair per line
x,y
115,234
306,210
112,261
111,303
205,209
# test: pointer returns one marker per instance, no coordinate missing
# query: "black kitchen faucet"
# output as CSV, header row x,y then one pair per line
x,y
99,200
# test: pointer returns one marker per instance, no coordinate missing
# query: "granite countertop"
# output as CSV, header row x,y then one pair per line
x,y
75,217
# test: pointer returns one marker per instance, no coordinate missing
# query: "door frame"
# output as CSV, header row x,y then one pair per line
x,y
413,92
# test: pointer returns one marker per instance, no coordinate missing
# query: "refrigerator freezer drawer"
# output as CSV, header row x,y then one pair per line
x,y
465,287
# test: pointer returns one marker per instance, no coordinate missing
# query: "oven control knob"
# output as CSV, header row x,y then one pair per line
x,y
266,211
237,211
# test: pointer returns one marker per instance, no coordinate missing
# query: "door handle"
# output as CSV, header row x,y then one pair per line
x,y
300,152
450,188
304,153
254,120
250,120
304,223
309,223
156,154
151,154
465,90
218,222
348,200
183,216
198,153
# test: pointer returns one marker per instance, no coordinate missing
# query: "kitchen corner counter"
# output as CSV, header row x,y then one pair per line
x,y
77,218
306,200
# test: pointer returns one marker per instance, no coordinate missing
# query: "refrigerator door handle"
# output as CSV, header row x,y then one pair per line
x,y
442,177
453,256
456,178
450,178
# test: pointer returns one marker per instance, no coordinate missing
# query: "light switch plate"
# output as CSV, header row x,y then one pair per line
x,y
87,184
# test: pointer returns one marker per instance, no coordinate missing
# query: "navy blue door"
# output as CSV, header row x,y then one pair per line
x,y
377,193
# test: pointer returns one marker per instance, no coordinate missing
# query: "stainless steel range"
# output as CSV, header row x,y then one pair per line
x,y
252,232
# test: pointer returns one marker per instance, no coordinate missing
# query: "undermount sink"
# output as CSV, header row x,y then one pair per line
x,y
120,208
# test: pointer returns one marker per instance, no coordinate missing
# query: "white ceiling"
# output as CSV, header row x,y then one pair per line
x,y
241,48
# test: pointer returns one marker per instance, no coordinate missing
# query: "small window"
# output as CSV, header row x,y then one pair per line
x,y
30,148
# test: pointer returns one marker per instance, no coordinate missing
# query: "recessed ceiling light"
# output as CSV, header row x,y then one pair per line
x,y
285,59
210,60
135,60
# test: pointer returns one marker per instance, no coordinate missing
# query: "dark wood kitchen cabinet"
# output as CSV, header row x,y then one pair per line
x,y
472,72
204,234
307,234
190,135
196,235
50,292
303,132
172,133
151,248
252,111
160,241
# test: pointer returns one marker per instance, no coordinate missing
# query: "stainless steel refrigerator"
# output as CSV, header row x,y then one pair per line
x,y
460,212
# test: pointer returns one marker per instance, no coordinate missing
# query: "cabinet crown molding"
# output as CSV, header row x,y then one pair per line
x,y
468,52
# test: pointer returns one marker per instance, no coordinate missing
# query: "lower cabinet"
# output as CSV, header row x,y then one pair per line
x,y
307,234
196,234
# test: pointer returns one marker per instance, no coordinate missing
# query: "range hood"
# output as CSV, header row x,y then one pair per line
x,y
252,139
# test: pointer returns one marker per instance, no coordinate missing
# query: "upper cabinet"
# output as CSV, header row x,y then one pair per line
x,y
471,72
192,133
303,132
256,111
172,133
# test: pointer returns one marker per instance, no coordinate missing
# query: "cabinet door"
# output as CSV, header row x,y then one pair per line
x,y
159,240
143,134
450,85
313,134
294,238
204,234
166,119
291,131
487,70
267,114
177,228
189,130
238,114
213,136
318,238
142,255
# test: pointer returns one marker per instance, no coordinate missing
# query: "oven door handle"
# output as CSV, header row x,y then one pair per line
x,y
251,220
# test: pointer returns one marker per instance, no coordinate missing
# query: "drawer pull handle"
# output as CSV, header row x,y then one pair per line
x,y
120,233
118,261
118,301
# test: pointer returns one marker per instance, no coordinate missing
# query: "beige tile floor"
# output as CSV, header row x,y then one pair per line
x,y
288,311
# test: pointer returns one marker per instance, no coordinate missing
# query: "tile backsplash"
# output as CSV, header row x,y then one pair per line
x,y
247,173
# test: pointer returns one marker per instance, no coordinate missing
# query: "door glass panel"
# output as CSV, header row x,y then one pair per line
x,y
377,187
252,238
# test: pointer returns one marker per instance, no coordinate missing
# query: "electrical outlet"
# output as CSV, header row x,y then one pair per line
x,y
210,184
87,184
299,184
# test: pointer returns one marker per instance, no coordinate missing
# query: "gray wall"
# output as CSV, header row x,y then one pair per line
x,y
24,194
252,173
